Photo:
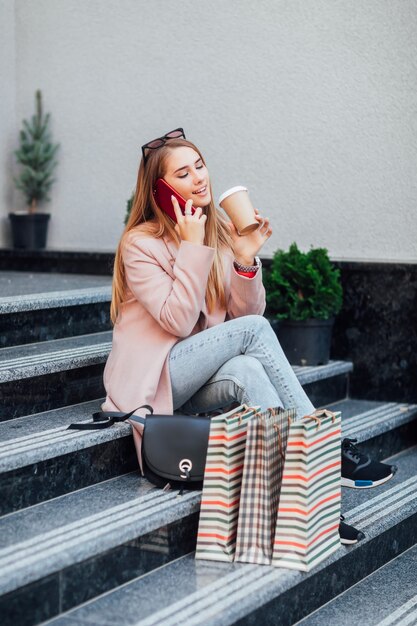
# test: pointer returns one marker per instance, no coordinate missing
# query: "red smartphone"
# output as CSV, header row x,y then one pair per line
x,y
162,193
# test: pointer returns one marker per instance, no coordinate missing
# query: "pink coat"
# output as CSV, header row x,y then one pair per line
x,y
165,303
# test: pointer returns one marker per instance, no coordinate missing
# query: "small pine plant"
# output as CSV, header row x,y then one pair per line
x,y
36,155
129,204
303,285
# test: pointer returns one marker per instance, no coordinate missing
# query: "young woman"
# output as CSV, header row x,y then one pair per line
x,y
188,301
187,309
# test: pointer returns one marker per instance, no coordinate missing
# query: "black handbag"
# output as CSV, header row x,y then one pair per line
x,y
174,447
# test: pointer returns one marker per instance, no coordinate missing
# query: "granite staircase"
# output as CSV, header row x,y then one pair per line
x,y
84,539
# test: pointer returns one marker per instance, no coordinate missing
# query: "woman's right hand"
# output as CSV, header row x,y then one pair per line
x,y
190,227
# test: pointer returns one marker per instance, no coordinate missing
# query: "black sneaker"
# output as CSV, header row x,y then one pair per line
x,y
348,534
359,471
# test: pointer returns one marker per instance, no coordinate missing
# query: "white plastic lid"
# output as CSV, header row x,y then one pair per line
x,y
230,191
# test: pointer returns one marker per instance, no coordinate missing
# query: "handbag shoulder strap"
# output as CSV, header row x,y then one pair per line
x,y
105,419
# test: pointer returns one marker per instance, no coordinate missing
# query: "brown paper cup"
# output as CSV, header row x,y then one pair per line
x,y
236,203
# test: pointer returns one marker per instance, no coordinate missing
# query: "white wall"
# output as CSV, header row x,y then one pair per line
x,y
8,128
310,103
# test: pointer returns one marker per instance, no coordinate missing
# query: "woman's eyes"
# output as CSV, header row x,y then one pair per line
x,y
199,167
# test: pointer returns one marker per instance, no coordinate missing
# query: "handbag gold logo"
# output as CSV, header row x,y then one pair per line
x,y
185,465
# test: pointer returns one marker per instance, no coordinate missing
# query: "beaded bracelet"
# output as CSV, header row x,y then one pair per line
x,y
248,268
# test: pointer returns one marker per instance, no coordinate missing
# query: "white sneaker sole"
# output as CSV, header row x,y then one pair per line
x,y
364,484
348,542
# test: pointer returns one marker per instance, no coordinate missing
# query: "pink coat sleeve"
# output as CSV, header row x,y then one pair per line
x,y
247,295
175,303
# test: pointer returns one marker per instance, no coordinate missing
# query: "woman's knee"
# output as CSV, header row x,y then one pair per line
x,y
259,326
254,325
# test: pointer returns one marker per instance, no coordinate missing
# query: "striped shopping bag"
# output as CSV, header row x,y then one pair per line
x,y
216,537
307,529
261,483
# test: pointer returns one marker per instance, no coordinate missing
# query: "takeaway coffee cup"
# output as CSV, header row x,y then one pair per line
x,y
236,203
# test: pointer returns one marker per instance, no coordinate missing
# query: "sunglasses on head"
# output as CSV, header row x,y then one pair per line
x,y
161,141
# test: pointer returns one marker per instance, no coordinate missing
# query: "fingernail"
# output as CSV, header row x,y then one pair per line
x,y
172,197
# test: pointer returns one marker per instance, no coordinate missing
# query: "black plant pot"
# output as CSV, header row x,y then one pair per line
x,y
307,342
29,230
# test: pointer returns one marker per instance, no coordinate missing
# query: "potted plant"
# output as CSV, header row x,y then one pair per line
x,y
36,155
303,294
129,205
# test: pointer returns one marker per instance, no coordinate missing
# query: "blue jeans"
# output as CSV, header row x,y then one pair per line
x,y
237,361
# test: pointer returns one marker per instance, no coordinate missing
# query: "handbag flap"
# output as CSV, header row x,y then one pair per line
x,y
175,446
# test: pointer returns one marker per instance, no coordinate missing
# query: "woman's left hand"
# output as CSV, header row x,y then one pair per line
x,y
247,247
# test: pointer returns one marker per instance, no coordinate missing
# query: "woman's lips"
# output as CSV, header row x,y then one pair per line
x,y
201,193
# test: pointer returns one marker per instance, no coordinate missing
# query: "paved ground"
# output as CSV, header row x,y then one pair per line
x,y
23,283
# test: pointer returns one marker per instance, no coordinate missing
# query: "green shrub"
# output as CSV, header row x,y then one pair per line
x,y
129,204
302,285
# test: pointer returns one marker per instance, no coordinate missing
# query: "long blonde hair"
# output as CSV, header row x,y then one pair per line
x,y
144,209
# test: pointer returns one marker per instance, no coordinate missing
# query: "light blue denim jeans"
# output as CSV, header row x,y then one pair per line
x,y
237,361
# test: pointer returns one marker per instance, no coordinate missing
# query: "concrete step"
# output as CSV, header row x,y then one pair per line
x,y
40,307
86,542
386,598
41,459
52,260
381,428
192,592
51,374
